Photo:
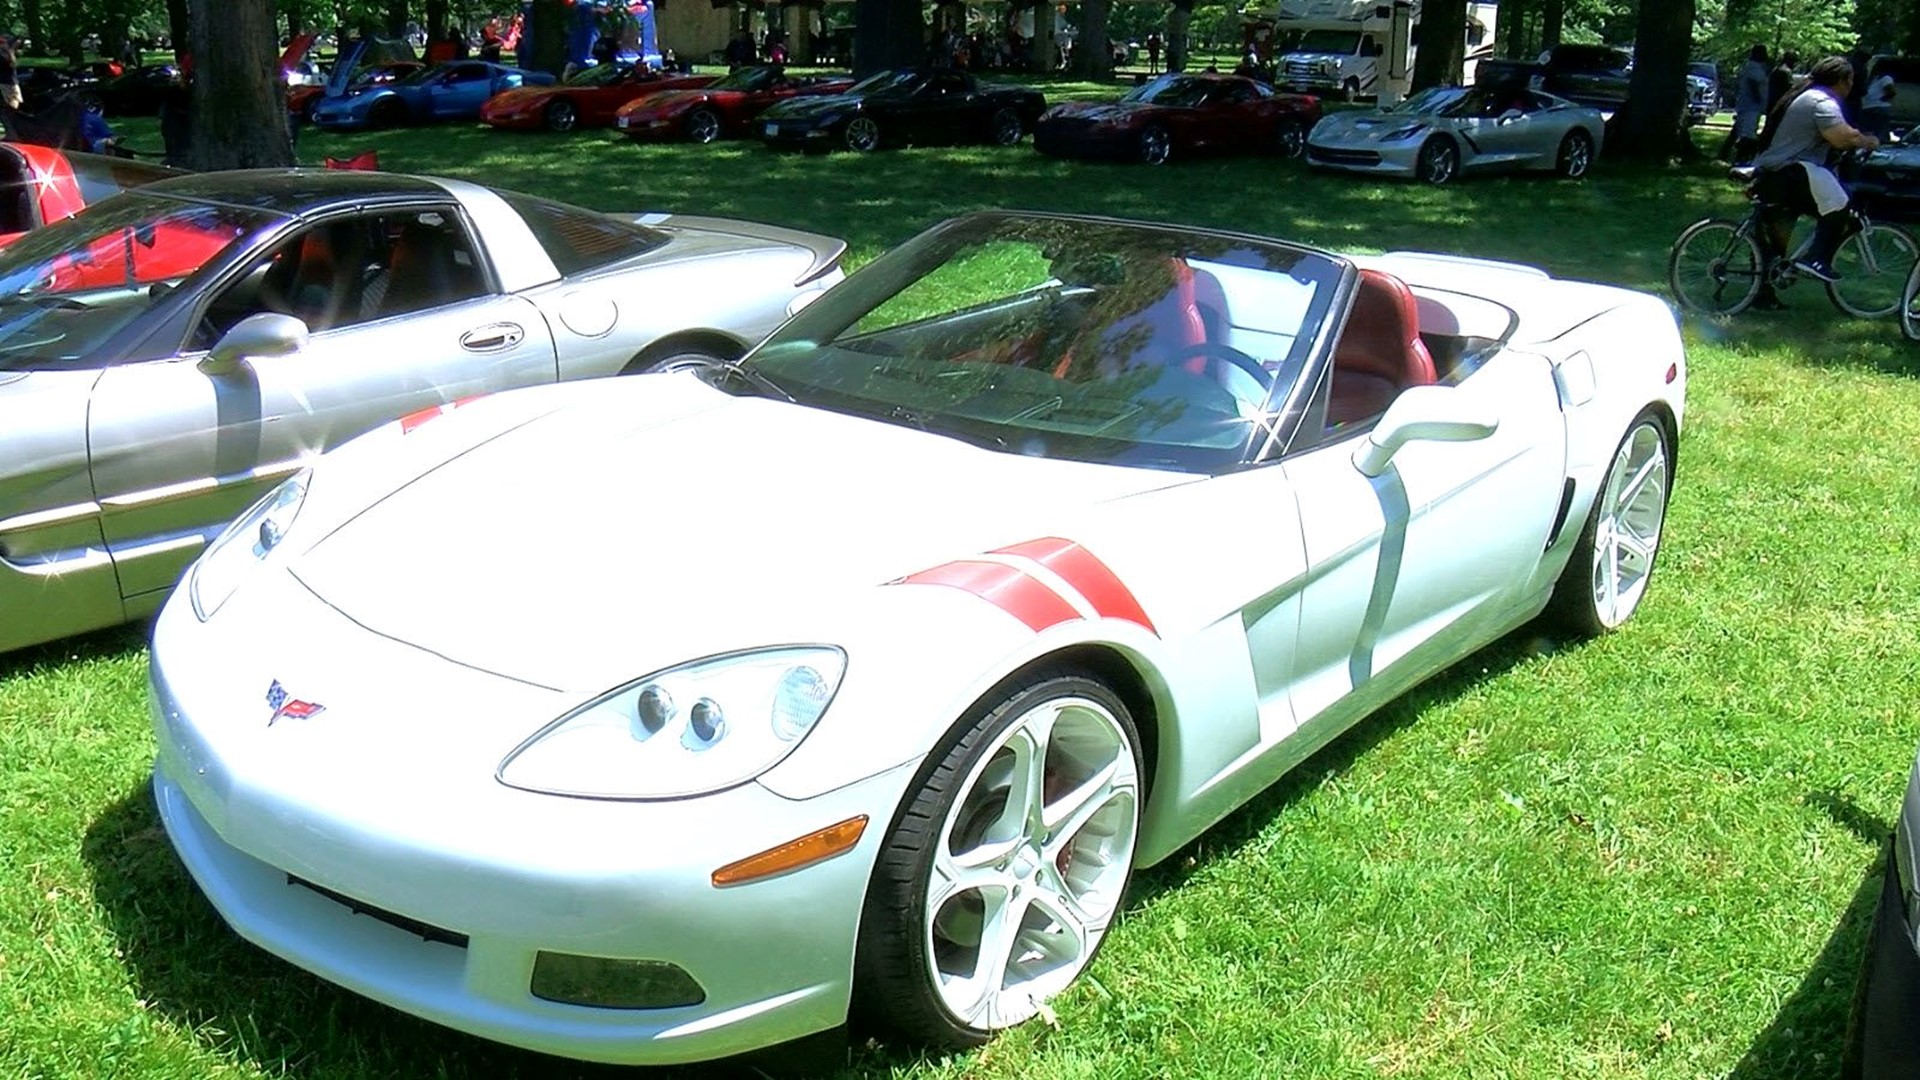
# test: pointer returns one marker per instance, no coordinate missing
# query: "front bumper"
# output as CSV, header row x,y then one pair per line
x,y
791,135
1372,158
465,881
650,127
1086,141
1883,1036
528,122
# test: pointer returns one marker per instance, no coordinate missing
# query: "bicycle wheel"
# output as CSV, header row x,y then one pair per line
x,y
1910,305
1715,268
1873,266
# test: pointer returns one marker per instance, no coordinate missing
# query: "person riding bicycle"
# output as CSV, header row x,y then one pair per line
x,y
1793,174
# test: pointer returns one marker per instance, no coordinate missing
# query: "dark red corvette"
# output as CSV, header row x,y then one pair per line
x,y
589,99
1177,116
721,110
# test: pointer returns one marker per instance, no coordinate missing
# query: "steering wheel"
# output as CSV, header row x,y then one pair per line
x,y
1217,350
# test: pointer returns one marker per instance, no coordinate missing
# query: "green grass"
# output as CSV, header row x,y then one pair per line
x,y
1647,856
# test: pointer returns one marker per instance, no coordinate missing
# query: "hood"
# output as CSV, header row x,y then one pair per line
x,y
664,101
812,107
519,97
297,50
1368,126
653,519
1102,112
1313,58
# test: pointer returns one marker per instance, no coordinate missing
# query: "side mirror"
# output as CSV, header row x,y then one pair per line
x,y
267,334
1431,413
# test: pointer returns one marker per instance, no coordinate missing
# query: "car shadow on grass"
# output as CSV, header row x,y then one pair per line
x,y
1807,1034
238,1002
55,655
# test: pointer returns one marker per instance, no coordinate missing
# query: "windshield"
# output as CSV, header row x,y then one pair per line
x,y
886,80
1431,102
746,80
1344,42
67,288
1065,338
599,75
1171,90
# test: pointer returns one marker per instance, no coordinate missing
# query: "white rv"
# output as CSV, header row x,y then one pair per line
x,y
1357,48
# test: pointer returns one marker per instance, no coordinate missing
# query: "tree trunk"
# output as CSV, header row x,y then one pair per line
x,y
73,32
1553,21
887,33
239,114
296,16
547,27
30,13
179,27
1510,32
1440,44
1652,125
1092,57
397,18
436,19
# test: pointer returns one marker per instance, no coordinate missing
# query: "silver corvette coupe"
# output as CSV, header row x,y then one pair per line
x,y
169,354
1439,134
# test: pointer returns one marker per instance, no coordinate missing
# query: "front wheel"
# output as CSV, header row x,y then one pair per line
x,y
389,113
1910,305
1872,265
703,126
1607,574
1715,268
1439,161
1576,155
863,134
562,116
1156,146
1005,866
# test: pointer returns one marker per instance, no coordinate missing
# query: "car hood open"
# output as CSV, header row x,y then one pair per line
x,y
616,535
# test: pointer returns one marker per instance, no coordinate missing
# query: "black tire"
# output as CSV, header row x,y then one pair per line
x,y
1350,90
562,115
703,126
1582,604
389,113
1910,305
862,135
1156,146
1004,127
672,358
908,945
1290,139
1715,269
1575,156
1439,161
1871,288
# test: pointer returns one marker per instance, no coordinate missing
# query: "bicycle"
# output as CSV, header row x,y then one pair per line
x,y
1717,265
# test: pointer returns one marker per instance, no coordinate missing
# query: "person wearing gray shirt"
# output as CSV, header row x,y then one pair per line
x,y
1793,172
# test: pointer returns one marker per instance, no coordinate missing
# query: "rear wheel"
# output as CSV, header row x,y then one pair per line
x,y
1156,146
1576,155
562,115
1290,139
703,126
1004,127
1873,266
1607,574
863,134
1715,268
1439,161
1005,866
1910,305
672,358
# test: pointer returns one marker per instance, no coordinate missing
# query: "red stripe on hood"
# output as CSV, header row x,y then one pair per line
x,y
1093,579
1018,594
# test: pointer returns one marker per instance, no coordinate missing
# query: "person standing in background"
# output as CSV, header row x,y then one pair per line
x,y
1749,105
9,74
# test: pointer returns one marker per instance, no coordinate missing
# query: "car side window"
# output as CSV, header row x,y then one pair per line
x,y
348,271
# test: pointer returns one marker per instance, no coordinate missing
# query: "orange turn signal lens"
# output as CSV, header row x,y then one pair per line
x,y
817,846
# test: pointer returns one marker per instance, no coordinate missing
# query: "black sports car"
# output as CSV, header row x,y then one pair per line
x,y
905,105
1887,181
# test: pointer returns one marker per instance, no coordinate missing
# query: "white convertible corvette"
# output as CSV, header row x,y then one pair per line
x,y
661,719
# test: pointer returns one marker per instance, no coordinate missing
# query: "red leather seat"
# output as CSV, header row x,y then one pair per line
x,y
1380,352
1166,326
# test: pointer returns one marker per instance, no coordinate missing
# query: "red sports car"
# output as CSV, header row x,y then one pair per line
x,y
722,110
39,185
1181,115
589,99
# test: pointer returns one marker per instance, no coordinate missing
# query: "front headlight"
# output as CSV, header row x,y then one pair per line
x,y
245,545
688,730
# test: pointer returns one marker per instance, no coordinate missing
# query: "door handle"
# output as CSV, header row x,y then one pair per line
x,y
493,336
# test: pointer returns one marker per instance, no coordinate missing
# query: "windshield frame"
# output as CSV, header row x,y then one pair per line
x,y
830,322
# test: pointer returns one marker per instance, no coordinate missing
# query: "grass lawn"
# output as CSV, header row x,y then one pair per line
x,y
1647,856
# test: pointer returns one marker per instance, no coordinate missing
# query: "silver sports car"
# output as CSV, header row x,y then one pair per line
x,y
1438,134
170,353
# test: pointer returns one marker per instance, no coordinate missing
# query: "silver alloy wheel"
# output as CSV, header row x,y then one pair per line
x,y
863,133
562,116
703,126
1438,160
1030,861
1576,155
1291,139
1630,511
1156,146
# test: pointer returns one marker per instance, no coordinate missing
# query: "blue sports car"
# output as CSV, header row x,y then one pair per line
x,y
450,91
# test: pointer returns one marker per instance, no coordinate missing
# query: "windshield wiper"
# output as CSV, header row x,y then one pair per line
x,y
749,376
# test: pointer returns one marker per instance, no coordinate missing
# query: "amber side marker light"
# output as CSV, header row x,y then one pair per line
x,y
817,846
